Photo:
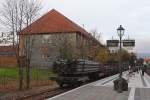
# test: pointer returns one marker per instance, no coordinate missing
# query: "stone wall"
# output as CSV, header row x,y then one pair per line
x,y
45,48
8,61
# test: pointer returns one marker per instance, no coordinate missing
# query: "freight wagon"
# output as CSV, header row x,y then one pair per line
x,y
74,72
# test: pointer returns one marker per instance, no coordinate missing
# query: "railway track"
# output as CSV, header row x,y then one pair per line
x,y
48,94
45,94
36,95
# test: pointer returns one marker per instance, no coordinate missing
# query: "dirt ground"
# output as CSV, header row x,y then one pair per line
x,y
12,87
19,95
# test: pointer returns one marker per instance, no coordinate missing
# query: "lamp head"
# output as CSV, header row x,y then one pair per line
x,y
120,31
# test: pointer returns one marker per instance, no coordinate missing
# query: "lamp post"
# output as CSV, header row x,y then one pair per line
x,y
120,84
120,31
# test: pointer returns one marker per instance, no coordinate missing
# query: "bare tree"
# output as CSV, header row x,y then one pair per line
x,y
10,18
97,35
32,8
84,47
71,45
15,15
64,43
6,38
97,42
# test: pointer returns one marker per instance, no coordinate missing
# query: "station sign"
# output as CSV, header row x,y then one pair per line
x,y
112,43
129,43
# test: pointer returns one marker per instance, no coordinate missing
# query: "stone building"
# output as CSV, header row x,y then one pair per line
x,y
54,36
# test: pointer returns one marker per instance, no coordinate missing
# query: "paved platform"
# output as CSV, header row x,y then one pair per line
x,y
138,89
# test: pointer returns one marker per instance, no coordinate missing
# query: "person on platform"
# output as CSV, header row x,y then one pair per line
x,y
144,68
130,71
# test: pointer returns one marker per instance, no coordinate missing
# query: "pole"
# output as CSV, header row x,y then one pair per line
x,y
120,84
120,67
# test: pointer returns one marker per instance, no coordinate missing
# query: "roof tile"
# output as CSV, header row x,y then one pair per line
x,y
53,22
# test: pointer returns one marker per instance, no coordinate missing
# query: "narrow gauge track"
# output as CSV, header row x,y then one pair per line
x,y
49,93
40,94
45,94
35,95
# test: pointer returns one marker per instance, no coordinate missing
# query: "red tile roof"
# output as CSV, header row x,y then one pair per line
x,y
147,59
53,22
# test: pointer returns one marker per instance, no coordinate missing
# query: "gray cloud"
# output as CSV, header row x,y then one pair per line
x,y
107,15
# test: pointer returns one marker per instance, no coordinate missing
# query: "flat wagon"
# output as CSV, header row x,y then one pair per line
x,y
74,72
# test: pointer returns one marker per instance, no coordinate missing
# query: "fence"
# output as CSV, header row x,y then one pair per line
x,y
9,78
8,61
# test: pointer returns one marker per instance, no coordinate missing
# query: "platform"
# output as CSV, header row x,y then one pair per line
x,y
138,89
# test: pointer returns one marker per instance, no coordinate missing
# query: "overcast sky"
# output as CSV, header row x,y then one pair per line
x,y
107,15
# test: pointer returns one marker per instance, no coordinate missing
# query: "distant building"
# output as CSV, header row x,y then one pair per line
x,y
48,31
147,60
113,46
116,49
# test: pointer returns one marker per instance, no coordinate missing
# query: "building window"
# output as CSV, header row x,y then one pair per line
x,y
45,56
44,50
78,40
46,39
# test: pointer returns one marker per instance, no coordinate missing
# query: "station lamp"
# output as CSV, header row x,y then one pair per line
x,y
120,31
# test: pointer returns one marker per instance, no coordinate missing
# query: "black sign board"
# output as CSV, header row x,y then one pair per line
x,y
112,43
128,43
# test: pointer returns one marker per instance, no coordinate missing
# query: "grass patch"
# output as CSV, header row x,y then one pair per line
x,y
2,94
35,73
9,78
